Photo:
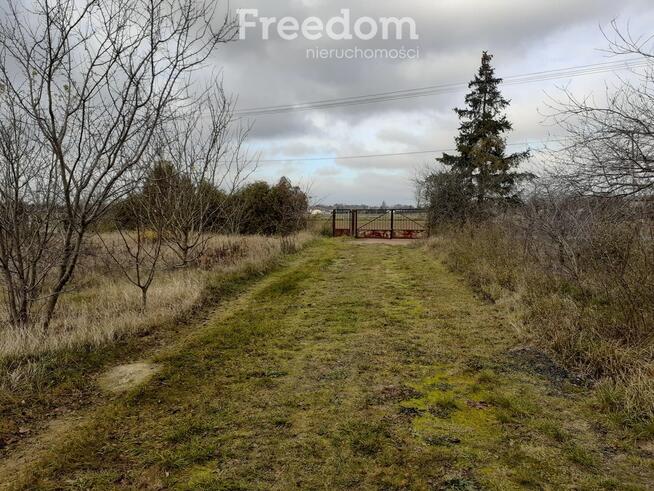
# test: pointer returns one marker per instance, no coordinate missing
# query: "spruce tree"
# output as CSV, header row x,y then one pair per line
x,y
487,173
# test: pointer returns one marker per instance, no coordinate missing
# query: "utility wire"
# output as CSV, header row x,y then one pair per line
x,y
398,154
554,74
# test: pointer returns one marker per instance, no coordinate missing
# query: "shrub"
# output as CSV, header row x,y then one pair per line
x,y
583,273
270,210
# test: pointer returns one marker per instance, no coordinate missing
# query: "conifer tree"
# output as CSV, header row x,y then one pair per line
x,y
486,171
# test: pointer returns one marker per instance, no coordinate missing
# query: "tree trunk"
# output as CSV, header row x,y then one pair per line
x,y
144,299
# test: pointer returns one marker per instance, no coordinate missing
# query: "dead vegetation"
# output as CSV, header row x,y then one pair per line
x,y
573,253
296,384
103,306
580,274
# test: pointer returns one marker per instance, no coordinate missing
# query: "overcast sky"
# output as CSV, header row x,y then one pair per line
x,y
524,36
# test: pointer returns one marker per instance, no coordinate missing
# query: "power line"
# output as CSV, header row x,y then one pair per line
x,y
544,75
352,157
444,88
398,154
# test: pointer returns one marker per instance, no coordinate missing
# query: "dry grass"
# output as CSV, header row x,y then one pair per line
x,y
320,224
103,306
350,368
590,305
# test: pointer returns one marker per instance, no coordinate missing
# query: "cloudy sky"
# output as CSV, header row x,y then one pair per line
x,y
525,36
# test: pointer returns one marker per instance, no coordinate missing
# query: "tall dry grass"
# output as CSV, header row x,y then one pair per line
x,y
103,306
320,224
583,282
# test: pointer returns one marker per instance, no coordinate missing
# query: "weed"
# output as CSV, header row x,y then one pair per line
x,y
582,291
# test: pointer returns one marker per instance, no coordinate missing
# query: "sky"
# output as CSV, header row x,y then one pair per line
x,y
314,148
524,37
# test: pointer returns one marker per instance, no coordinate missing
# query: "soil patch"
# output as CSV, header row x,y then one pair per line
x,y
125,377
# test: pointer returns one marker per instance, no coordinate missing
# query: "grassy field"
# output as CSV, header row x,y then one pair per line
x,y
45,374
103,305
355,366
588,299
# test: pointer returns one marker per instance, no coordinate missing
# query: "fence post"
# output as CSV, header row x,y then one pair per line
x,y
392,222
333,223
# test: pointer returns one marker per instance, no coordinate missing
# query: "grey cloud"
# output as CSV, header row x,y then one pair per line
x,y
524,35
367,187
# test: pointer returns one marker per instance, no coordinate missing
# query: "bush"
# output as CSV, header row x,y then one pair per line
x,y
583,273
450,200
257,208
270,210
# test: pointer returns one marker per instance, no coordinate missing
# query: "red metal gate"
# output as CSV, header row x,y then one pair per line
x,y
343,223
379,223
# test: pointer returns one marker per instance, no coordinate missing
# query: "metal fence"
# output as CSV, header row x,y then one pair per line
x,y
380,223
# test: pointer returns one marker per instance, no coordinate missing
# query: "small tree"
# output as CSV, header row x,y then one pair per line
x,y
139,253
29,209
290,207
171,194
253,202
204,163
486,172
91,82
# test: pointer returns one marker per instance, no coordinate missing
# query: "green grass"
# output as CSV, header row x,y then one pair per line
x,y
65,380
354,367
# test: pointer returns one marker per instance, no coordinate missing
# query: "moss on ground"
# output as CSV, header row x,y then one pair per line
x,y
354,367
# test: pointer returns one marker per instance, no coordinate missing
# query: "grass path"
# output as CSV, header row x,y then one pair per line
x,y
354,367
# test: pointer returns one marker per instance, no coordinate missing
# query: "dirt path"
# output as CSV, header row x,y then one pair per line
x,y
355,367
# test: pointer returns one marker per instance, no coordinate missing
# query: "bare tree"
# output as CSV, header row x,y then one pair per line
x,y
610,143
28,211
92,82
143,248
138,252
207,165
